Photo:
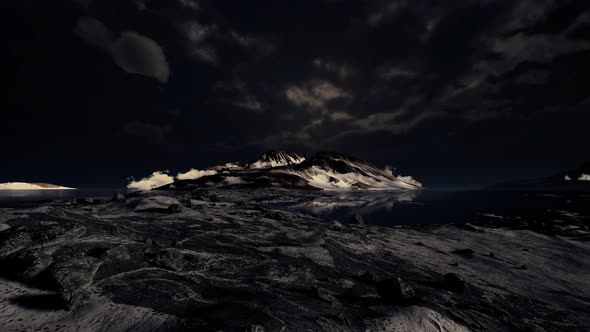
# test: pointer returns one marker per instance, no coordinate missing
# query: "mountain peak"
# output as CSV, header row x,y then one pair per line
x,y
277,158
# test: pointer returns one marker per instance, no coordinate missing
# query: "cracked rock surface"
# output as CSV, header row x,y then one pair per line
x,y
163,261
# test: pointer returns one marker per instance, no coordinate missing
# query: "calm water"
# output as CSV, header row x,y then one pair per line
x,y
441,206
380,207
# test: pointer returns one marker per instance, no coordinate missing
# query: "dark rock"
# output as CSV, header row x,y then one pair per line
x,y
419,244
453,282
368,278
468,227
118,197
185,200
274,215
214,198
175,208
454,264
256,328
395,290
465,251
357,219
336,226
492,255
522,267
327,297
84,201
170,259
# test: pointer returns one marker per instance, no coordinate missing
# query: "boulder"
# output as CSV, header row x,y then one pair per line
x,y
118,197
453,282
175,208
357,219
395,290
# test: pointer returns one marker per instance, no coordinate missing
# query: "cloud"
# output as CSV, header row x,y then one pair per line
x,y
336,116
94,32
193,174
157,179
316,94
194,31
140,55
205,54
536,47
342,71
191,4
391,9
391,72
131,51
249,102
238,94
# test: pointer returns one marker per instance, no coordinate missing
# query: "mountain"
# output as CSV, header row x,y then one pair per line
x,y
31,186
289,170
574,180
329,170
277,158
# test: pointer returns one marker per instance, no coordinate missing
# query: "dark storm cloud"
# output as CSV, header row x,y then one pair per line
x,y
131,51
467,87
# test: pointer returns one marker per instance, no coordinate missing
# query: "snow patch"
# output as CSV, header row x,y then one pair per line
x,y
567,178
232,165
410,180
330,180
277,159
193,174
584,177
234,180
30,186
406,179
157,179
270,164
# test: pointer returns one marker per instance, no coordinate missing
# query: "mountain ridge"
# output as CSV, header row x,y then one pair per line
x,y
279,169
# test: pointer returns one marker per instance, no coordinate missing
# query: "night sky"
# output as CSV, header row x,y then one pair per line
x,y
454,93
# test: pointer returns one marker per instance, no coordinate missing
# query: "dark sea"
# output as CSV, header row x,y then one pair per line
x,y
444,206
384,208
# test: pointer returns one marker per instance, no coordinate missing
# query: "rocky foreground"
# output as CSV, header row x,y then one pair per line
x,y
224,261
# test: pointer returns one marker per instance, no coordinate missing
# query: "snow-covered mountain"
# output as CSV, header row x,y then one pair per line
x,y
336,171
277,158
31,186
289,170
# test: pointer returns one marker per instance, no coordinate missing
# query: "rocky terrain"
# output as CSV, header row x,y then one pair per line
x,y
225,260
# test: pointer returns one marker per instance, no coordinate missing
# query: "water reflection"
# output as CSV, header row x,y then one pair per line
x,y
393,208
341,205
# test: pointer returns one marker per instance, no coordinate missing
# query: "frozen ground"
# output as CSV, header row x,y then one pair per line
x,y
222,260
